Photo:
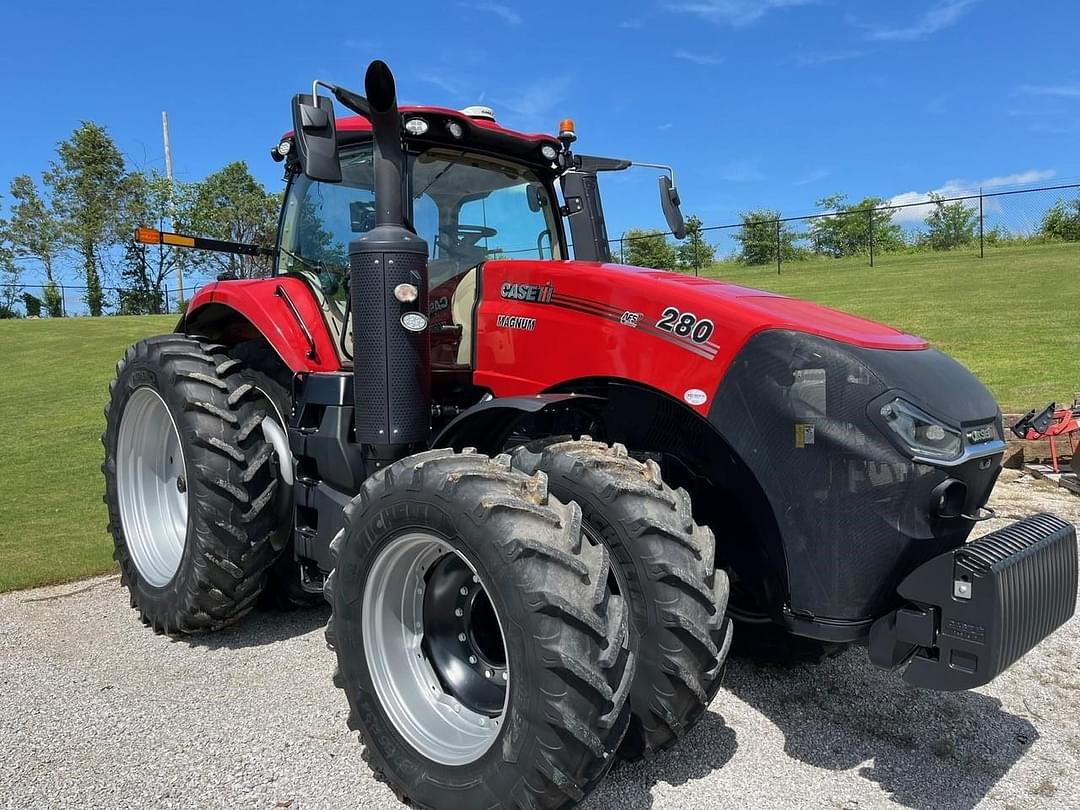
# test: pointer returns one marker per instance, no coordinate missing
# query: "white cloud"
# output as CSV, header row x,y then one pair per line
x,y
941,15
631,24
741,171
736,12
663,127
698,58
815,176
919,201
817,58
448,84
1055,90
505,13
536,100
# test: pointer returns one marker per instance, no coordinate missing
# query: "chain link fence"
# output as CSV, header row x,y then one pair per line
x,y
970,224
974,224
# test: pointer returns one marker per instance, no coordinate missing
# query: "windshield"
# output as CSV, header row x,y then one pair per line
x,y
466,207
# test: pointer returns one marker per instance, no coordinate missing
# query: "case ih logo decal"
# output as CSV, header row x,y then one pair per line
x,y
980,434
630,318
528,292
516,322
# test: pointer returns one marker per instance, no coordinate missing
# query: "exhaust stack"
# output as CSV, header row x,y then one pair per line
x,y
391,354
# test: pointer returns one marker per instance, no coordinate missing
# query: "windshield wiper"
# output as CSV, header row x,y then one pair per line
x,y
296,257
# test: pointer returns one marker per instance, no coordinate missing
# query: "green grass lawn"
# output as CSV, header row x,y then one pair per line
x,y
1014,318
55,384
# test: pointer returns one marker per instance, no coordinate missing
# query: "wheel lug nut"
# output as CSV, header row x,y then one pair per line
x,y
459,612
464,591
487,673
475,578
472,659
461,637
504,675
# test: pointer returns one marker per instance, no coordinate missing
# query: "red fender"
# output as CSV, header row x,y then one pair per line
x,y
284,311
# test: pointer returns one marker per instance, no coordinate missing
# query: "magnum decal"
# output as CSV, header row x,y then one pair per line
x,y
515,322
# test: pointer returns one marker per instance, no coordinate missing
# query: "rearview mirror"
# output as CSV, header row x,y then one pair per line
x,y
669,201
315,133
535,195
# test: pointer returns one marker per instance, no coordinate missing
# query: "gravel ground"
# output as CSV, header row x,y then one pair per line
x,y
96,711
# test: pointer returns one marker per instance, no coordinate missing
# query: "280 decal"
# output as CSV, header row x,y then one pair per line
x,y
686,324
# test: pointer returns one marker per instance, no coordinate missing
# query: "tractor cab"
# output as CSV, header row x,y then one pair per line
x,y
472,190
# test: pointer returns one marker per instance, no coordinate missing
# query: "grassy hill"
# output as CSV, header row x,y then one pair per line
x,y
55,384
1013,317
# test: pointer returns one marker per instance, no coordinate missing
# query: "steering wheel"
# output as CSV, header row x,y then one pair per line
x,y
467,238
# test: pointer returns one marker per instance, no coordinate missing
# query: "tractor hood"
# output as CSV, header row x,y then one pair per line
x,y
758,310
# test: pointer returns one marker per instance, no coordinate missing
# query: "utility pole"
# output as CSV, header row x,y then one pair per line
x,y
172,201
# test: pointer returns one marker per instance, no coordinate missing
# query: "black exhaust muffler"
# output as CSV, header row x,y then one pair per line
x,y
388,279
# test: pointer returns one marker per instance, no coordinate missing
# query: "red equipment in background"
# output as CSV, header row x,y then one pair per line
x,y
1051,423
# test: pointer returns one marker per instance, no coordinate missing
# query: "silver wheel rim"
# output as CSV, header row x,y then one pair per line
x,y
151,482
414,694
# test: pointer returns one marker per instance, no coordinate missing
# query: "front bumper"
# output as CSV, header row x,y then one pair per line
x,y
975,610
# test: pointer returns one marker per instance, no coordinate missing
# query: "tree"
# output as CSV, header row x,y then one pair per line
x,y
758,241
846,230
53,300
151,199
1062,221
950,225
88,184
694,252
232,205
34,230
648,248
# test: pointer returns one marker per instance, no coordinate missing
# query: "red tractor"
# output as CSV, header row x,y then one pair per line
x,y
539,492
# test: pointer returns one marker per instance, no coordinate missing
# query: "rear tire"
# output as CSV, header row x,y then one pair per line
x,y
565,654
664,567
192,515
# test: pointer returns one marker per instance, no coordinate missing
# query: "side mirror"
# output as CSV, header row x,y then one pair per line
x,y
535,196
669,201
315,133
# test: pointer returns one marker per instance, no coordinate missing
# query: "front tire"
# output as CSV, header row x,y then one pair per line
x,y
665,568
521,708
190,483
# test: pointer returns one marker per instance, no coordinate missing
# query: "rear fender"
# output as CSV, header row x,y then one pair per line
x,y
281,310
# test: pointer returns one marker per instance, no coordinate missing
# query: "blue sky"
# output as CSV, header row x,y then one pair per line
x,y
756,102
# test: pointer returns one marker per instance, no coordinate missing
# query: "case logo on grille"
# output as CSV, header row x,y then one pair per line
x,y
980,434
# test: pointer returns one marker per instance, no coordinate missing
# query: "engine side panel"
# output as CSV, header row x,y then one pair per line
x,y
283,309
541,323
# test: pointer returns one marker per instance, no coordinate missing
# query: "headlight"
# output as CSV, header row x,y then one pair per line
x,y
924,436
416,126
